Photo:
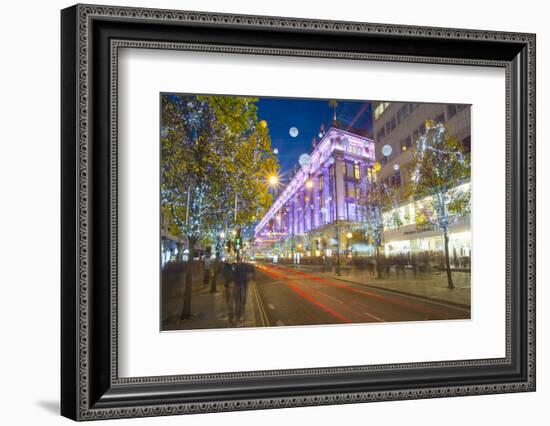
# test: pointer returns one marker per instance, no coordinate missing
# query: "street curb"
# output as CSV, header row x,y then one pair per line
x,y
406,293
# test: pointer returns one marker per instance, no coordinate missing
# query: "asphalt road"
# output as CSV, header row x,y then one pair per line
x,y
290,297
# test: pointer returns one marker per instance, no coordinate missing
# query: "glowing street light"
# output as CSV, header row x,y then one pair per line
x,y
273,180
309,184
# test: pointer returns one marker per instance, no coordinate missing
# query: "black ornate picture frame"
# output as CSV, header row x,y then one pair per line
x,y
90,385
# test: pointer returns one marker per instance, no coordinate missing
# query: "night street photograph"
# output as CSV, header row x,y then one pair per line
x,y
282,212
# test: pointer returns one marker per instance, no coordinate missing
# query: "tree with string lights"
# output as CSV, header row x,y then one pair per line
x,y
439,165
215,154
377,199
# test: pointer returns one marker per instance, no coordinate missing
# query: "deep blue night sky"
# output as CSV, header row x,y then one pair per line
x,y
307,116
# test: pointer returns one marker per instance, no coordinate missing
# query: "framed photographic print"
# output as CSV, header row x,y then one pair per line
x,y
263,212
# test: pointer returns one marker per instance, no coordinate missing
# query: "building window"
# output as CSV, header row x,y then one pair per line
x,y
402,113
416,136
390,125
405,143
349,170
396,179
351,211
381,134
356,171
466,144
369,173
351,190
380,108
321,183
451,110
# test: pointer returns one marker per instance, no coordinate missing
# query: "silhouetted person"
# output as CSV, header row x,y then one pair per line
x,y
240,278
207,263
228,285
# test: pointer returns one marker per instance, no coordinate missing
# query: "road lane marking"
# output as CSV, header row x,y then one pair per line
x,y
330,297
368,313
256,294
374,316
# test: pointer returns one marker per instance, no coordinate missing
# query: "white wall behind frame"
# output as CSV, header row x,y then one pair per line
x,y
143,74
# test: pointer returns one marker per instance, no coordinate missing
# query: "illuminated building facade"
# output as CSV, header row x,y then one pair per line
x,y
399,125
319,206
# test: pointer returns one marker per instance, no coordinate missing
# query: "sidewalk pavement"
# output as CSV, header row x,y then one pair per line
x,y
430,285
209,310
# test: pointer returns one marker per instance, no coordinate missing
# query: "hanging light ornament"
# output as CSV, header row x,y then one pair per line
x,y
304,160
387,150
396,167
293,131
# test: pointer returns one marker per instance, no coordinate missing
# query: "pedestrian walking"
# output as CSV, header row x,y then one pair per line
x,y
228,286
207,263
240,278
371,266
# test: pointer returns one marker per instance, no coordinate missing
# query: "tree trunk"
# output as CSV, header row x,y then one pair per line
x,y
214,276
447,260
378,266
179,257
217,266
186,311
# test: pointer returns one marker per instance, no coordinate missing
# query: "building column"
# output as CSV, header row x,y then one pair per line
x,y
340,196
315,195
301,218
307,210
295,215
326,195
